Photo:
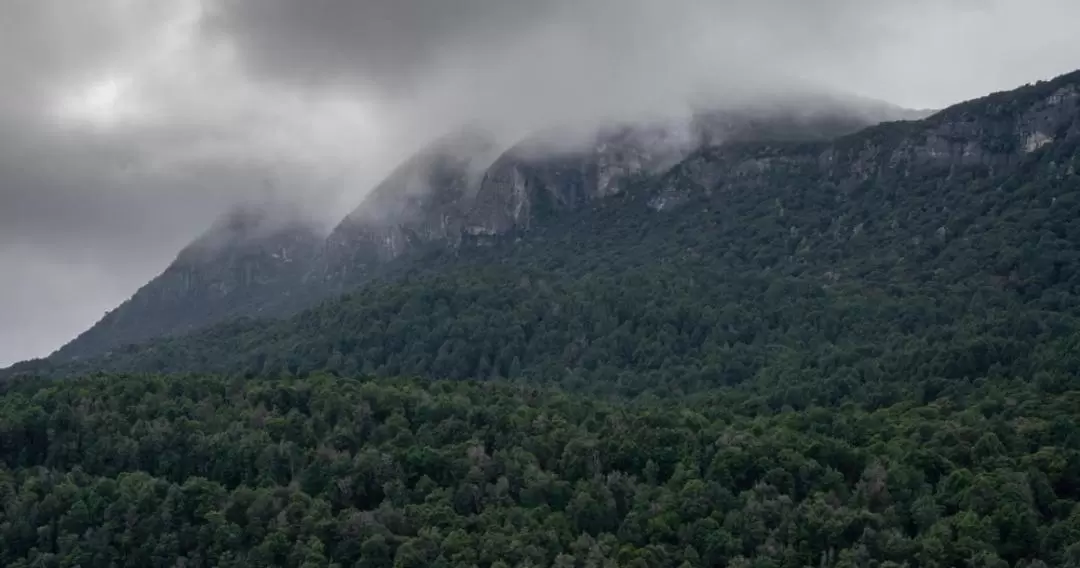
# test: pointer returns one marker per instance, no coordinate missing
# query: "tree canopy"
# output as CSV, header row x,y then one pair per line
x,y
326,471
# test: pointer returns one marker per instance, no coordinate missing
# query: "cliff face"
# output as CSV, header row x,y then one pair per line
x,y
441,196
425,200
526,184
990,134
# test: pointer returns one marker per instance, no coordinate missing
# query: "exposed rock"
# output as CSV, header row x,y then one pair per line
x,y
425,200
1036,140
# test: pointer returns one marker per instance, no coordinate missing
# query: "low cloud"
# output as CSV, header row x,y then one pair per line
x,y
127,126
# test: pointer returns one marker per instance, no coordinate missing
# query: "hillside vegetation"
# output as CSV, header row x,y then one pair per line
x,y
861,352
323,471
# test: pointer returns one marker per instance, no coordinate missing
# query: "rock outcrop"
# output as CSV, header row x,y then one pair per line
x,y
456,188
992,134
425,200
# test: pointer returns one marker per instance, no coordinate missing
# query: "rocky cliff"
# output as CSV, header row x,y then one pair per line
x,y
457,188
981,138
424,200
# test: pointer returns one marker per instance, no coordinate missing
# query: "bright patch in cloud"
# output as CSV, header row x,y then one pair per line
x,y
102,103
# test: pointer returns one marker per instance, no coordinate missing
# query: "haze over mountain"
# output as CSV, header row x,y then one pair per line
x,y
568,283
773,346
129,127
266,261
461,196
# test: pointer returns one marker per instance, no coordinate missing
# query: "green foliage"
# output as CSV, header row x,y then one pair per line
x,y
324,471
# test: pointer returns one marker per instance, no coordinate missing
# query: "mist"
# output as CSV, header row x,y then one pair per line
x,y
127,127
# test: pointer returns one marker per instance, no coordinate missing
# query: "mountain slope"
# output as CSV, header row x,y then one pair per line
x,y
253,261
422,201
891,262
464,184
263,262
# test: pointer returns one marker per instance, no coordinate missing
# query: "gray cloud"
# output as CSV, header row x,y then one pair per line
x,y
127,126
596,48
380,44
524,63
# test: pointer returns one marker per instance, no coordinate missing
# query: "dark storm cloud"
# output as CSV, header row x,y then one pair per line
x,y
127,126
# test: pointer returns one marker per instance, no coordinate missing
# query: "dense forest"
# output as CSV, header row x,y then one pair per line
x,y
326,471
771,366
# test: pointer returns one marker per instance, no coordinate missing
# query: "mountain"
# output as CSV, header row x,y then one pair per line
x,y
778,351
465,184
423,200
957,226
265,261
252,261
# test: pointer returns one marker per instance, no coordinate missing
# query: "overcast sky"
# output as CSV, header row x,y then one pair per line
x,y
126,126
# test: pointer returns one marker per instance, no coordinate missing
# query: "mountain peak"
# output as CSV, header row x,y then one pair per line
x,y
251,261
453,162
246,225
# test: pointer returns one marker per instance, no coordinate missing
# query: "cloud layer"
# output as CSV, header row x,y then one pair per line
x,y
127,126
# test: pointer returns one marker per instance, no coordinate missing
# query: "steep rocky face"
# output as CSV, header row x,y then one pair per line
x,y
528,183
425,200
980,138
252,261
993,132
465,185
531,182
461,186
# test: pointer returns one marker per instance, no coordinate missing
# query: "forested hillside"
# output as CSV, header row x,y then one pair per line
x,y
789,273
323,471
859,352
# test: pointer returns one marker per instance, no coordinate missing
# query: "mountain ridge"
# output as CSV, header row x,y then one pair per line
x,y
249,262
462,185
915,192
518,188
